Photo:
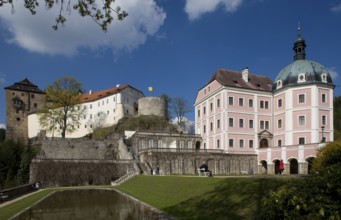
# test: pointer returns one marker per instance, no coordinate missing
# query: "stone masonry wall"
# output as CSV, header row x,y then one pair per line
x,y
108,149
51,172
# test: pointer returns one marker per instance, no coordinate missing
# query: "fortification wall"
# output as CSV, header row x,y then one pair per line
x,y
108,149
50,172
152,106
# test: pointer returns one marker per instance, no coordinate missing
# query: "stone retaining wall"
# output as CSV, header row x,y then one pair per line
x,y
51,172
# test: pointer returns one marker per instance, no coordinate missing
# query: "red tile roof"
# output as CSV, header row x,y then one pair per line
x,y
102,94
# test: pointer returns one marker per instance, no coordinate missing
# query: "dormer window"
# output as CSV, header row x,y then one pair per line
x,y
301,78
279,84
324,77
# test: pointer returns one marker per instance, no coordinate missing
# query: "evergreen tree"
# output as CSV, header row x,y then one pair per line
x,y
24,170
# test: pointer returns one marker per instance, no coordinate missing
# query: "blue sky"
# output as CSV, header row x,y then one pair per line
x,y
174,46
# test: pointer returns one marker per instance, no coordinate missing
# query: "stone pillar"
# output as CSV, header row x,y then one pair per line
x,y
303,168
271,168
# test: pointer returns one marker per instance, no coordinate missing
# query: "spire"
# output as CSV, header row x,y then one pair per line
x,y
299,45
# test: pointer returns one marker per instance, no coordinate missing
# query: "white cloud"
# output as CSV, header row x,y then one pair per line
x,y
336,8
332,72
196,8
34,33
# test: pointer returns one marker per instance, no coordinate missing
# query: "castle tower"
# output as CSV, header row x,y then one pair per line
x,y
22,99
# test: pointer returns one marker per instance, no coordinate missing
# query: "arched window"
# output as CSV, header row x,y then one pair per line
x,y
263,143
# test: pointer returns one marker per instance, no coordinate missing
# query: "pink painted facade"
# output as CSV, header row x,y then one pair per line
x,y
287,119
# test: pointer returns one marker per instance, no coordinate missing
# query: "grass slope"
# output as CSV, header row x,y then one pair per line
x,y
202,198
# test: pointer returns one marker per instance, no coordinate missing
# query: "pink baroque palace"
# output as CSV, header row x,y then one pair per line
x,y
287,119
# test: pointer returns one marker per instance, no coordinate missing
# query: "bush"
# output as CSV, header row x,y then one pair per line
x,y
316,197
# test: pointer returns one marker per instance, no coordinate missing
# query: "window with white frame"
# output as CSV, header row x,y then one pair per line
x,y
230,142
301,98
324,77
301,140
241,102
204,110
279,84
279,103
211,126
211,106
204,129
279,143
261,104
301,120
323,98
250,123
241,143
230,100
301,78
324,120
266,103
279,123
262,125
250,143
218,123
250,103
231,122
218,103
218,143
198,113
241,123
267,126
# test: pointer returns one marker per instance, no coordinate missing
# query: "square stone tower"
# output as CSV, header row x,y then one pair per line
x,y
22,98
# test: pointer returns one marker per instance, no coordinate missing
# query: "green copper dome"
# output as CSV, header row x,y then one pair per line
x,y
302,71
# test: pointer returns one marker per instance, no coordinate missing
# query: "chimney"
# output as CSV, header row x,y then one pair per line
x,y
118,85
90,92
245,74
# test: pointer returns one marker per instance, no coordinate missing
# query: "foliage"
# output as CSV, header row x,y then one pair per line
x,y
337,118
10,159
330,155
144,123
2,134
140,123
62,112
24,169
100,12
317,197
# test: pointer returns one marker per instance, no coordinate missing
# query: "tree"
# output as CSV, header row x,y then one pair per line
x,y
316,197
10,157
62,110
2,134
180,108
337,118
24,169
100,12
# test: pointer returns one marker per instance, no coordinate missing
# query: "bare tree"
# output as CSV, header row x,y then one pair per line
x,y
180,108
99,11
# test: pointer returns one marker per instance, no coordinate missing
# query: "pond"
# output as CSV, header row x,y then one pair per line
x,y
89,204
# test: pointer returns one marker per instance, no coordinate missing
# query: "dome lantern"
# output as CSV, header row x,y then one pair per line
x,y
299,46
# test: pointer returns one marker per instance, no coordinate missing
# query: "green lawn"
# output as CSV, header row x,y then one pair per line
x,y
184,197
202,198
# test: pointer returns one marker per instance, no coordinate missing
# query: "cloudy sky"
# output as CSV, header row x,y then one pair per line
x,y
174,46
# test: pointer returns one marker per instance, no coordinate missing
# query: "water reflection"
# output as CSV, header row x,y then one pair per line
x,y
88,204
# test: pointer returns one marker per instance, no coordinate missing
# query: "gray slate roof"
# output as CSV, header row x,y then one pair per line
x,y
232,78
